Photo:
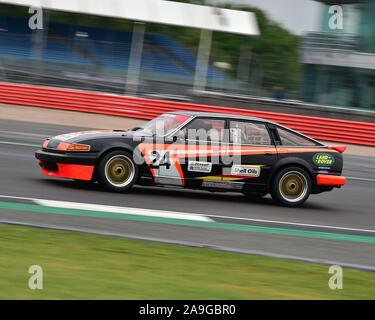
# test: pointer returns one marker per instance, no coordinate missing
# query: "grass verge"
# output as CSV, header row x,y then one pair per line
x,y
85,266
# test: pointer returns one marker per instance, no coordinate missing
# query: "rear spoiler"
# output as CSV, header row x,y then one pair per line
x,y
340,149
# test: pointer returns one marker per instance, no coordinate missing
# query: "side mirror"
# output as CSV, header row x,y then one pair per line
x,y
172,138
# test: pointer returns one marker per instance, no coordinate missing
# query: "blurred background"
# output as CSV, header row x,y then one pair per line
x,y
278,59
296,57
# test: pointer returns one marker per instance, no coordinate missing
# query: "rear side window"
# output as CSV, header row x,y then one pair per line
x,y
246,132
289,138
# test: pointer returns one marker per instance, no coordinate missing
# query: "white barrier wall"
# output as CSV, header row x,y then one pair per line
x,y
156,11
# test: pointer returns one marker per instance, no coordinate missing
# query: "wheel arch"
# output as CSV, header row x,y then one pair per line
x,y
291,162
109,149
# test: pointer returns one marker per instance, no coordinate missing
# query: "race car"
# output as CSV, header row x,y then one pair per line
x,y
198,150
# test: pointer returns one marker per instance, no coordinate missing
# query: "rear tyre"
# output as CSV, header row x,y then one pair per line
x,y
117,171
291,187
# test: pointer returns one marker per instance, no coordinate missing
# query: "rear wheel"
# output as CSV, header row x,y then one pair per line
x,y
117,171
291,187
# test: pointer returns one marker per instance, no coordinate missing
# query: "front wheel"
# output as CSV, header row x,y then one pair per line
x,y
291,187
117,171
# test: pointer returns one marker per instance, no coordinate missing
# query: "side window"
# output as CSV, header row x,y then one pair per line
x,y
289,138
203,129
246,132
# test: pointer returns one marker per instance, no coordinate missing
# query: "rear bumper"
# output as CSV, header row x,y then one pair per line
x,y
329,180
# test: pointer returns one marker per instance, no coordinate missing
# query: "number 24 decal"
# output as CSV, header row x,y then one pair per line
x,y
159,159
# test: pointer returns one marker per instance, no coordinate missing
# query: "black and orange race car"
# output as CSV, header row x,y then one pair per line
x,y
207,151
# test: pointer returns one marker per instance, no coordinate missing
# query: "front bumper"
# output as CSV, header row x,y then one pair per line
x,y
72,166
71,158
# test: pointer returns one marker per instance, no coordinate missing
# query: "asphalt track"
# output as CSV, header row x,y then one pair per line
x,y
334,228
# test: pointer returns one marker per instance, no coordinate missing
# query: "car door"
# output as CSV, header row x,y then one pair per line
x,y
204,142
250,154
161,153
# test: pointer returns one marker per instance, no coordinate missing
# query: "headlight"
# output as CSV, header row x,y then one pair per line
x,y
63,146
78,147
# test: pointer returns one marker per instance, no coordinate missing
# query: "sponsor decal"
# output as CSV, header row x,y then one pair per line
x,y
322,171
199,166
323,159
246,171
222,184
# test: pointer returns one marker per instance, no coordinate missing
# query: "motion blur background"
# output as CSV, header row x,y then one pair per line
x,y
295,59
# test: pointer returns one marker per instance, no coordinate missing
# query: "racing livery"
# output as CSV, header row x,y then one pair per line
x,y
208,151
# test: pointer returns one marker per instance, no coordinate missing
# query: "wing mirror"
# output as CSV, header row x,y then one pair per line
x,y
173,138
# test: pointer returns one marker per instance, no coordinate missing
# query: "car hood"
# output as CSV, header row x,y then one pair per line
x,y
75,137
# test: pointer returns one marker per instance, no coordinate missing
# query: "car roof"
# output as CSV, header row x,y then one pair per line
x,y
219,115
236,117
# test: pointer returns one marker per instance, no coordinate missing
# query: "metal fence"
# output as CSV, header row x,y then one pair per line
x,y
87,64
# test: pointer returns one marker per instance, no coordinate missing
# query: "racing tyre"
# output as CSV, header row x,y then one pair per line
x,y
291,187
117,171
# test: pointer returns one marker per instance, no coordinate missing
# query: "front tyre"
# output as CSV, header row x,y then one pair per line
x,y
291,187
117,171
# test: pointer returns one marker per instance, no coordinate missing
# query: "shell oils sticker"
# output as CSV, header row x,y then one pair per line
x,y
246,171
323,159
198,166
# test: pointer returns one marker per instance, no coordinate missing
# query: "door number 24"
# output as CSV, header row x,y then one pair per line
x,y
159,159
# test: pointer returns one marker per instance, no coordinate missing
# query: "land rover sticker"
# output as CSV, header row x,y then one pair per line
x,y
323,159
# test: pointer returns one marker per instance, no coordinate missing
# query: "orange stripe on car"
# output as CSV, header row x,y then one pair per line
x,y
179,169
297,150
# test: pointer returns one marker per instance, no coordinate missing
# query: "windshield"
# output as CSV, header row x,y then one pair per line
x,y
163,124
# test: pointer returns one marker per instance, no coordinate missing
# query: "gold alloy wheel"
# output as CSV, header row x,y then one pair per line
x,y
119,170
293,186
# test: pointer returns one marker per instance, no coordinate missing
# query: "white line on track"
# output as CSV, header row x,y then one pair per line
x,y
171,214
123,210
28,134
116,209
